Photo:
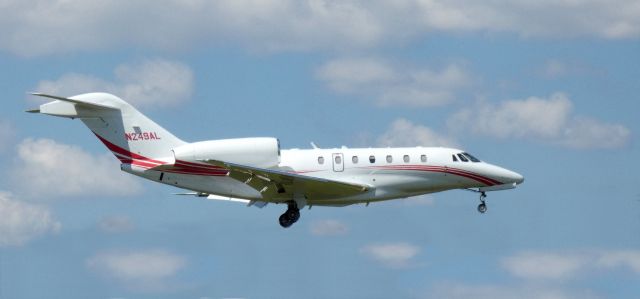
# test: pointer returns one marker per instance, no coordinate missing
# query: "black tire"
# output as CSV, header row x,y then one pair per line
x,y
482,208
285,221
293,215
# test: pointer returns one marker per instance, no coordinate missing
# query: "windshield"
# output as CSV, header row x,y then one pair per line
x,y
472,158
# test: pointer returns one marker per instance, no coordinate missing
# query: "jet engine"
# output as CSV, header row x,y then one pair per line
x,y
263,152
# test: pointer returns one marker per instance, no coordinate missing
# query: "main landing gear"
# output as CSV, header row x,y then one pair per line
x,y
482,207
290,216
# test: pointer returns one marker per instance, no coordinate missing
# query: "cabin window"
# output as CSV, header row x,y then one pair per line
x,y
389,159
463,158
406,159
338,159
321,160
354,159
372,159
453,157
423,158
472,158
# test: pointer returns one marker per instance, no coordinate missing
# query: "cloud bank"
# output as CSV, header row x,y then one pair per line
x,y
21,222
151,83
46,169
142,270
550,120
405,133
392,255
394,85
37,27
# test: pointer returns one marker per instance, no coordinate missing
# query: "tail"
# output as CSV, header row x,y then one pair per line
x,y
124,130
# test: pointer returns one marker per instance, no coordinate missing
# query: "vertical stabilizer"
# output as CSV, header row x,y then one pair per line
x,y
124,130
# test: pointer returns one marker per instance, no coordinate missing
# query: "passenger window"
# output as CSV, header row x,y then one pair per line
x,y
454,158
372,159
389,159
338,159
321,160
463,158
406,158
423,158
354,159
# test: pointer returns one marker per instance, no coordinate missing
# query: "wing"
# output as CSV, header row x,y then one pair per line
x,y
276,183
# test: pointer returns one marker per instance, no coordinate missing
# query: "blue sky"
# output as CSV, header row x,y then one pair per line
x,y
546,88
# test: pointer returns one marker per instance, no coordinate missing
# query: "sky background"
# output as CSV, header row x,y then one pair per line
x,y
546,88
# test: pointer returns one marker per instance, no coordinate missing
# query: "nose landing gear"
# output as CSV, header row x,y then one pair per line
x,y
290,216
482,207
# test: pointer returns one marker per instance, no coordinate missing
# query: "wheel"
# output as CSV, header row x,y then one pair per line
x,y
482,208
293,215
285,221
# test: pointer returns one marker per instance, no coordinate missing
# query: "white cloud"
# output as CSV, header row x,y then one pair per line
x,y
38,27
620,258
21,221
151,83
329,227
393,255
547,18
462,291
547,119
145,270
542,265
390,85
405,133
46,168
116,224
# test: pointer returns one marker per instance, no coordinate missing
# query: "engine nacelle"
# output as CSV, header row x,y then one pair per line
x,y
261,152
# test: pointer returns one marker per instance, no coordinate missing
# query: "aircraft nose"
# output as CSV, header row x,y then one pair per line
x,y
507,176
518,178
512,176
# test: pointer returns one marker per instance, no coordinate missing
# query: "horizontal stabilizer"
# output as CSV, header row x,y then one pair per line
x,y
83,103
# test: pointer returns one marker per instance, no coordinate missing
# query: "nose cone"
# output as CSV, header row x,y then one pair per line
x,y
517,178
506,176
509,177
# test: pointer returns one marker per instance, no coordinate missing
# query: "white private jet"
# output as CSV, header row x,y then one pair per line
x,y
256,171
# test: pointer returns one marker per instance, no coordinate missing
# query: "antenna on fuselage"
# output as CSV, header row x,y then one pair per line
x,y
313,144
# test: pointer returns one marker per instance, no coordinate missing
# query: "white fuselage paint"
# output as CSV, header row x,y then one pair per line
x,y
388,180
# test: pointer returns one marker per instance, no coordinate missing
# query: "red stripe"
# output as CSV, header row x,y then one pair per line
x,y
183,167
454,171
116,149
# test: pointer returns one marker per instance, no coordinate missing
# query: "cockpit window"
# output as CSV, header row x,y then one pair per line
x,y
463,158
453,157
472,158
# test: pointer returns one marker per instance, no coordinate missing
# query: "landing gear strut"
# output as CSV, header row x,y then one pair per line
x,y
290,216
482,207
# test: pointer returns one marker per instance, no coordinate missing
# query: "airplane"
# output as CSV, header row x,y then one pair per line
x,y
256,171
